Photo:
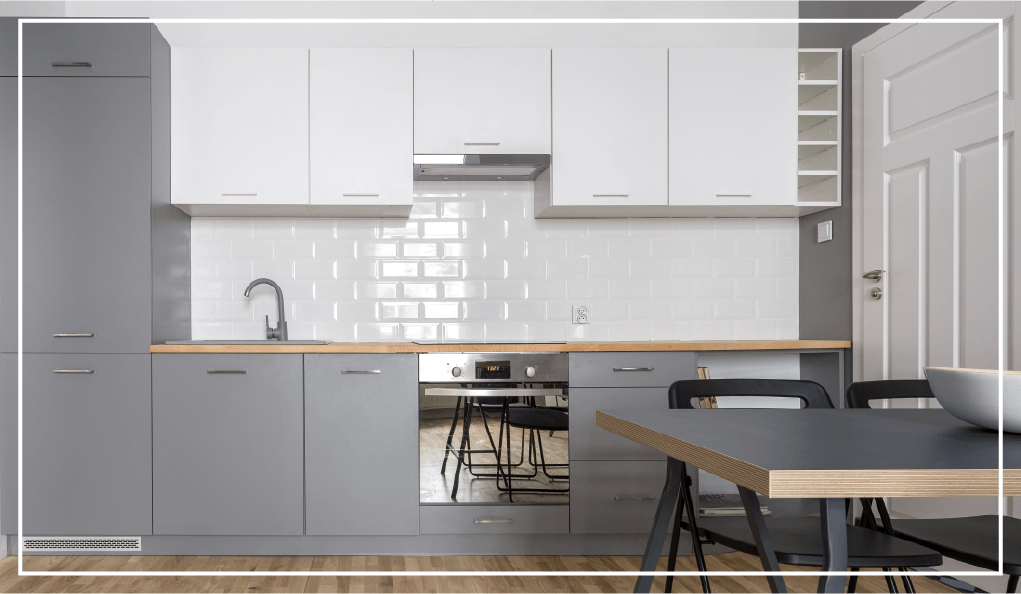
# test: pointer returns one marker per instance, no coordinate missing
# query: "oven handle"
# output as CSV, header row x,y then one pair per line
x,y
505,392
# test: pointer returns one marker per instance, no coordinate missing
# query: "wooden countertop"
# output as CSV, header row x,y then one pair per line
x,y
569,347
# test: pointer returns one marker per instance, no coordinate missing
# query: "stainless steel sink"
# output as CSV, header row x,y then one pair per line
x,y
266,342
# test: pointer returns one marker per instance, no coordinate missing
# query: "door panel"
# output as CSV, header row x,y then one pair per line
x,y
8,215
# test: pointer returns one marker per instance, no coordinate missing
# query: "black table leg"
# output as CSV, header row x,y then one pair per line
x,y
834,543
660,524
767,555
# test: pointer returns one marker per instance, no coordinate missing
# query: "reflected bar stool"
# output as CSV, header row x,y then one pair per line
x,y
535,419
796,540
973,540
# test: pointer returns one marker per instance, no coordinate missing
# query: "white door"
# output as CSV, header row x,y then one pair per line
x,y
733,126
609,127
239,126
930,203
360,114
482,101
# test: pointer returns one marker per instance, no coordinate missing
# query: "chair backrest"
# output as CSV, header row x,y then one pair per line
x,y
859,394
811,394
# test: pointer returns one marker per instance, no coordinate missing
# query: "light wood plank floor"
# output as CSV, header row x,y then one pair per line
x,y
10,582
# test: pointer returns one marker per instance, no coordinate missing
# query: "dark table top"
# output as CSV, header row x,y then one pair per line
x,y
831,452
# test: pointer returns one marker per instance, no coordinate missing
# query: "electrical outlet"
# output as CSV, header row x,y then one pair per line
x,y
579,314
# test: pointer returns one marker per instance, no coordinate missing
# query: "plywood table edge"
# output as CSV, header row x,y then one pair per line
x,y
734,470
570,347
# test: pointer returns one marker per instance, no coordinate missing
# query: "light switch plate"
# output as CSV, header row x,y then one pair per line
x,y
825,231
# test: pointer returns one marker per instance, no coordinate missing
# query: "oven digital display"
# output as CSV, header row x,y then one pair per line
x,y
492,370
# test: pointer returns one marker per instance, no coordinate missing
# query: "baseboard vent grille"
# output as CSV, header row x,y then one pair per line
x,y
82,543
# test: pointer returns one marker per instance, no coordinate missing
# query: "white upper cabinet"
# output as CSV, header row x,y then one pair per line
x,y
239,121
609,131
361,109
733,127
482,101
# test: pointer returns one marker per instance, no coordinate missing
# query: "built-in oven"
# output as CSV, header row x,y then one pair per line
x,y
493,428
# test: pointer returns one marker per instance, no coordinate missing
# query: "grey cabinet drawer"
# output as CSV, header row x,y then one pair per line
x,y
8,214
8,443
630,369
112,49
495,519
227,445
591,442
361,444
87,445
615,497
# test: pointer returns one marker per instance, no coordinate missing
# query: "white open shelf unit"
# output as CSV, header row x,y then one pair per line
x,y
819,128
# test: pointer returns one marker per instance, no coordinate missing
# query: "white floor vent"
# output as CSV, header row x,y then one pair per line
x,y
73,544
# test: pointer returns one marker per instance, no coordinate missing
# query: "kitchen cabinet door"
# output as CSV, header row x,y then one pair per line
x,y
8,443
8,215
615,497
361,105
87,445
87,196
609,127
361,444
733,126
239,130
85,49
590,442
482,101
227,444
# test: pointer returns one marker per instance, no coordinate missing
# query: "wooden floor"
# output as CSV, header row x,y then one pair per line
x,y
10,582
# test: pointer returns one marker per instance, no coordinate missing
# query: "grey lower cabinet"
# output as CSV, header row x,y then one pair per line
x,y
361,444
591,442
87,444
8,443
8,215
87,200
615,497
227,444
86,49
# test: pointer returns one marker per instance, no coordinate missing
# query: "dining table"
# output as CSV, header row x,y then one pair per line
x,y
825,454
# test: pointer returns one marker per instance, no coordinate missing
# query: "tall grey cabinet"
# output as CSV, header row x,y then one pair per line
x,y
105,273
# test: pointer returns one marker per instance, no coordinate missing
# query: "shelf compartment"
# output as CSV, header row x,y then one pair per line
x,y
816,127
806,178
822,190
819,65
818,97
815,157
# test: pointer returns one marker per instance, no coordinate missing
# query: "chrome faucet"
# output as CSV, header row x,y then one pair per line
x,y
280,332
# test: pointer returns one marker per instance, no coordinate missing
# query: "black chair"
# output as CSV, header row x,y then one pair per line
x,y
796,540
972,540
535,420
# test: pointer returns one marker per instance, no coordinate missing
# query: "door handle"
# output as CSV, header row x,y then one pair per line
x,y
89,335
74,371
362,371
219,371
874,275
639,498
71,64
484,521
634,368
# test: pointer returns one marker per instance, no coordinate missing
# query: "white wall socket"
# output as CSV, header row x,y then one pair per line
x,y
579,314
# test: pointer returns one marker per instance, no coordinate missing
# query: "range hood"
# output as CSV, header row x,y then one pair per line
x,y
480,167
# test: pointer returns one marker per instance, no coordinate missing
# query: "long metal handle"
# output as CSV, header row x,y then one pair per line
x,y
71,64
86,335
633,368
360,195
639,498
482,144
733,195
237,371
485,521
874,275
74,371
364,371
503,392
610,195
239,194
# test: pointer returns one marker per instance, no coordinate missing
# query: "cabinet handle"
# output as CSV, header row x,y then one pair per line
x,y
239,194
485,521
482,144
633,368
362,195
89,335
74,371
238,371
610,195
733,195
71,64
639,498
364,371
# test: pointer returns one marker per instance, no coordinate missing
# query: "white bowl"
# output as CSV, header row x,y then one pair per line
x,y
971,395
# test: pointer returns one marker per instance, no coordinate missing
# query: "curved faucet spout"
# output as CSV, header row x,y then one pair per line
x,y
280,332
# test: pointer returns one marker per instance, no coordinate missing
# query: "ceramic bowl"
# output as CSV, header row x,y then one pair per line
x,y
971,395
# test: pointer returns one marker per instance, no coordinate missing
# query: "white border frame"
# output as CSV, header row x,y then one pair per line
x,y
20,297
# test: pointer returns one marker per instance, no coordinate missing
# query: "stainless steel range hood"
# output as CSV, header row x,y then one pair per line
x,y
480,167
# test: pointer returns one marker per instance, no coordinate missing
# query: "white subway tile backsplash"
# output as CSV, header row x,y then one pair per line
x,y
473,264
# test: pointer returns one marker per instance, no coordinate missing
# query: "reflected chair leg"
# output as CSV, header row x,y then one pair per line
x,y
461,451
450,436
763,542
654,545
1012,584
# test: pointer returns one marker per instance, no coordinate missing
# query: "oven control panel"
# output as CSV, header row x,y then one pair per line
x,y
492,367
